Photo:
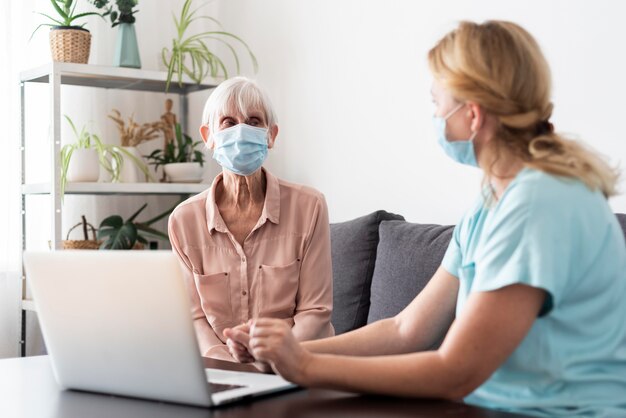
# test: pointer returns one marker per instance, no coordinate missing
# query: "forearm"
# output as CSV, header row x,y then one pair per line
x,y
379,338
210,344
423,374
312,324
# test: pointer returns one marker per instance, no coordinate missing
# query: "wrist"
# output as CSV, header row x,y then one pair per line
x,y
307,368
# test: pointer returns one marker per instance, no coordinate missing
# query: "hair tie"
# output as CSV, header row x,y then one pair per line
x,y
544,127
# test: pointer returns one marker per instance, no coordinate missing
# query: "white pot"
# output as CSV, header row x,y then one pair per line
x,y
184,172
84,166
130,173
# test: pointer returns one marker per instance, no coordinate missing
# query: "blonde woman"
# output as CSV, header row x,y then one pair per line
x,y
530,294
252,244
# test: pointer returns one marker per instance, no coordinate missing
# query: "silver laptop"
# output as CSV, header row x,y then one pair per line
x,y
119,322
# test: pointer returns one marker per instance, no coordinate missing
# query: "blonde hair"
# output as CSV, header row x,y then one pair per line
x,y
240,94
500,66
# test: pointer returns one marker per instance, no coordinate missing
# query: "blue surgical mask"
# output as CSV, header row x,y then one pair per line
x,y
460,151
241,149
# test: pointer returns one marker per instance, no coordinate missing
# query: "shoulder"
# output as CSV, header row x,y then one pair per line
x,y
303,195
191,207
540,193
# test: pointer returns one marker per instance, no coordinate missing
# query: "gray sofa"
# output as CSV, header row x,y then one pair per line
x,y
381,262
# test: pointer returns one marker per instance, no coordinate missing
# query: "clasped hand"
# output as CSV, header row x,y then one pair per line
x,y
269,343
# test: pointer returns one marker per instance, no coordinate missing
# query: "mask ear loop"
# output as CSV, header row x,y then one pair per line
x,y
453,111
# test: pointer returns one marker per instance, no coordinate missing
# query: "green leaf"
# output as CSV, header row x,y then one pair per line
x,y
78,16
134,215
58,22
59,10
123,238
114,221
151,231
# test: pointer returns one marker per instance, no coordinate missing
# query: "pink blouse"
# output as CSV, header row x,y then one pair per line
x,y
282,271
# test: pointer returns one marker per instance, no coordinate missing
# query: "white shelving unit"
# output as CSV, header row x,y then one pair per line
x,y
118,188
56,74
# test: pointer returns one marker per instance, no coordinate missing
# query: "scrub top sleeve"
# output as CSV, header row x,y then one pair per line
x,y
526,242
452,259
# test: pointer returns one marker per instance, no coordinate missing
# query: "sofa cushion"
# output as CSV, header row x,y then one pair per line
x,y
408,256
353,245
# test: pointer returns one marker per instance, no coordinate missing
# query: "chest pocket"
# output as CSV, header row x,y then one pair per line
x,y
214,291
278,288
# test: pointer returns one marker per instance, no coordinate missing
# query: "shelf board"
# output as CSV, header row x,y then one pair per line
x,y
113,78
28,305
119,188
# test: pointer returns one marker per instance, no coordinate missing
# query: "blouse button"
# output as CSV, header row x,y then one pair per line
x,y
243,292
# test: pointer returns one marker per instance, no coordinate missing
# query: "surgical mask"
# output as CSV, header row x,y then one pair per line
x,y
460,151
241,149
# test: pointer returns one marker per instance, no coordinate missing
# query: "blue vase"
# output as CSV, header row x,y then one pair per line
x,y
126,49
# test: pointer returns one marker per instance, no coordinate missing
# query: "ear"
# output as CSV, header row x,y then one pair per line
x,y
476,115
205,133
272,132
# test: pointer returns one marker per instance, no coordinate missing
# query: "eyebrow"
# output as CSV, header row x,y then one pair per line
x,y
253,114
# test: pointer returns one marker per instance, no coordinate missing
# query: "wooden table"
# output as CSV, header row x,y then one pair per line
x,y
28,390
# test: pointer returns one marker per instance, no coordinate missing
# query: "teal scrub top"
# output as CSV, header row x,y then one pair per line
x,y
556,234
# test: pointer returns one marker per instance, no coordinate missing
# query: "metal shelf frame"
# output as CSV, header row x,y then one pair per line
x,y
56,74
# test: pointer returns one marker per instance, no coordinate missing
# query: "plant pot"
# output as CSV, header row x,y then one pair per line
x,y
130,173
70,44
84,166
184,172
126,49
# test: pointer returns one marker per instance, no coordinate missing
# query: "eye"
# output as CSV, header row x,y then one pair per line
x,y
227,122
254,121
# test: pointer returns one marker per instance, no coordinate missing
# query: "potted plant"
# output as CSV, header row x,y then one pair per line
x,y
81,160
181,161
131,135
126,49
69,42
191,56
117,234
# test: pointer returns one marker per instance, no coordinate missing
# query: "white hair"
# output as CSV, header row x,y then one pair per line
x,y
240,94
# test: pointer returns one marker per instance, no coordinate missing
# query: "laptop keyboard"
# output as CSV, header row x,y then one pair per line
x,y
218,387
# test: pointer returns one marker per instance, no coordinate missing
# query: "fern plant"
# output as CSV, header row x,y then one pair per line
x,y
190,55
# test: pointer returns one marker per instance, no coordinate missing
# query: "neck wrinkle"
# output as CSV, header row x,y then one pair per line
x,y
243,192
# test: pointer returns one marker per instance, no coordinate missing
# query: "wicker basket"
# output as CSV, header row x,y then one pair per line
x,y
88,244
70,45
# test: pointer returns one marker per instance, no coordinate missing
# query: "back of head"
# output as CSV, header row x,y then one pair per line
x,y
500,66
238,94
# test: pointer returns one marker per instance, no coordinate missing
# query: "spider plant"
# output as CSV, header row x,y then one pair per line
x,y
190,54
111,157
66,11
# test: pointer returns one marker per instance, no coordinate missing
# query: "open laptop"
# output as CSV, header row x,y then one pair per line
x,y
119,322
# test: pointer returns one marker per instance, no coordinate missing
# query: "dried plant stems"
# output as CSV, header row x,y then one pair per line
x,y
133,134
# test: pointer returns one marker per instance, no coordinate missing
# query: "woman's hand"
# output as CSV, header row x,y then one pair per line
x,y
272,341
237,340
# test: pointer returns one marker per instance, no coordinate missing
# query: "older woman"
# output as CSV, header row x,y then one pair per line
x,y
251,245
530,294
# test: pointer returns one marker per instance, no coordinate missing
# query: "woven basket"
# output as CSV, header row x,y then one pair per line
x,y
70,45
89,244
